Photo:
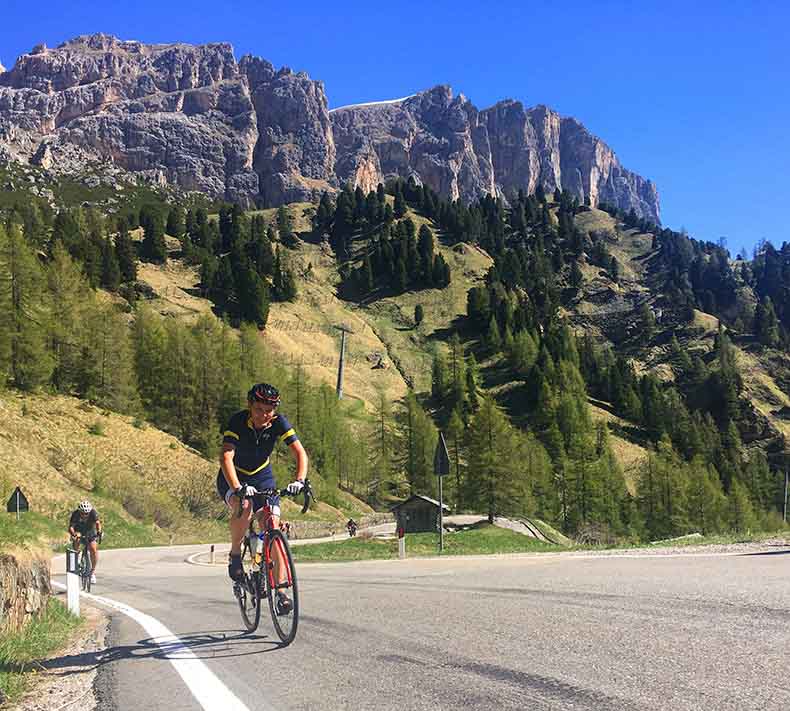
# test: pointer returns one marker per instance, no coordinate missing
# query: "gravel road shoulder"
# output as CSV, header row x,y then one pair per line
x,y
65,681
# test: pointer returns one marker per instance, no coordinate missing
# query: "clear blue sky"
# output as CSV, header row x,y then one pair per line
x,y
693,95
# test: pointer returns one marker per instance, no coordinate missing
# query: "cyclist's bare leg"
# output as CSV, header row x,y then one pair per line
x,y
277,556
93,550
238,525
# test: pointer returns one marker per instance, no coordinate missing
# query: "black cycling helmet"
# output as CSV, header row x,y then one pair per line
x,y
265,393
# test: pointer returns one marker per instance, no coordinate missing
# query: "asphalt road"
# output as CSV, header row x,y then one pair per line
x,y
561,631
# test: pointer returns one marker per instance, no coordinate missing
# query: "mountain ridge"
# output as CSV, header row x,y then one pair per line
x,y
195,117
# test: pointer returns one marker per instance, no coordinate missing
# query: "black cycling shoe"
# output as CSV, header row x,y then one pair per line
x,y
284,604
235,571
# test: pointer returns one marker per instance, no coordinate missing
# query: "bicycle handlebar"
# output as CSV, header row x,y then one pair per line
x,y
307,491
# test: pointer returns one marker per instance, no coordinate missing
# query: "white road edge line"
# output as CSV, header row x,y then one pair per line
x,y
207,689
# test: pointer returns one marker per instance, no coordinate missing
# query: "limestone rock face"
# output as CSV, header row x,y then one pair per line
x,y
179,111
295,154
194,117
432,136
537,145
460,152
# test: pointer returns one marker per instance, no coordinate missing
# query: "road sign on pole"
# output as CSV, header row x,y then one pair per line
x,y
18,502
441,465
441,458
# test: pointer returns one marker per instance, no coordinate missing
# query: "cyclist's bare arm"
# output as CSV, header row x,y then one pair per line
x,y
301,459
228,467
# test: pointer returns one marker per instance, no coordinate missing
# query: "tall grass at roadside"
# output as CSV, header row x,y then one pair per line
x,y
19,651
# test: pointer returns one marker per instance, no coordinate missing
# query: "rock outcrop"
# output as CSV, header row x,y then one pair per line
x,y
24,589
194,117
432,136
460,152
295,154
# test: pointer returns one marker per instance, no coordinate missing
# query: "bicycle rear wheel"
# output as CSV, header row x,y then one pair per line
x,y
285,622
248,592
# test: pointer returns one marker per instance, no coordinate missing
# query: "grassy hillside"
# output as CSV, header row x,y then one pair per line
x,y
148,486
303,331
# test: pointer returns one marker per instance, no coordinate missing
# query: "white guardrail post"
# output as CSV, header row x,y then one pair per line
x,y
401,543
72,583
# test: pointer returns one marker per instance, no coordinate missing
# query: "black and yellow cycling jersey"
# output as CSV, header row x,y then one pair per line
x,y
254,447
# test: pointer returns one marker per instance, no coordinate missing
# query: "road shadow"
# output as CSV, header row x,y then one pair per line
x,y
215,644
786,551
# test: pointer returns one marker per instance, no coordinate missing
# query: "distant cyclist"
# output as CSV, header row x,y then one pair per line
x,y
245,468
86,524
352,527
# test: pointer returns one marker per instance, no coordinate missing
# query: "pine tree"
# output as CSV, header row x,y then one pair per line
x,y
647,323
108,376
400,204
455,438
253,296
493,340
472,381
425,249
440,378
24,317
523,354
110,269
285,225
496,457
71,298
153,248
150,356
124,250
382,436
766,325
175,223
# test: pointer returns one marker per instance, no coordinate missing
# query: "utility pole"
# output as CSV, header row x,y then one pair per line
x,y
343,331
784,503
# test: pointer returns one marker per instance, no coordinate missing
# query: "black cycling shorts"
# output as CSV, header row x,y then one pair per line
x,y
263,481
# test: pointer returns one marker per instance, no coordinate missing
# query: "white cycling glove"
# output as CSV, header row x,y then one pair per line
x,y
295,487
246,490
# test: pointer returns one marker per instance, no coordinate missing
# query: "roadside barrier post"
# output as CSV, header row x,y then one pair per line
x,y
72,583
401,543
212,554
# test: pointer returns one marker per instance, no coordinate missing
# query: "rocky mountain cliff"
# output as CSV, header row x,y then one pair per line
x,y
193,116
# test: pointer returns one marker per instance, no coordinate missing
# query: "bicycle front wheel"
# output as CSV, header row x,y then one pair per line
x,y
283,594
86,568
248,592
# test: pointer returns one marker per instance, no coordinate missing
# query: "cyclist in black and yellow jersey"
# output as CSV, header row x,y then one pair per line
x,y
247,445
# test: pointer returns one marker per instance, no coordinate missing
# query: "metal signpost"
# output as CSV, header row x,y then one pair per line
x,y
72,583
441,465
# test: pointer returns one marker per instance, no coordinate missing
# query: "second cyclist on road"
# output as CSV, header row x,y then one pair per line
x,y
85,524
